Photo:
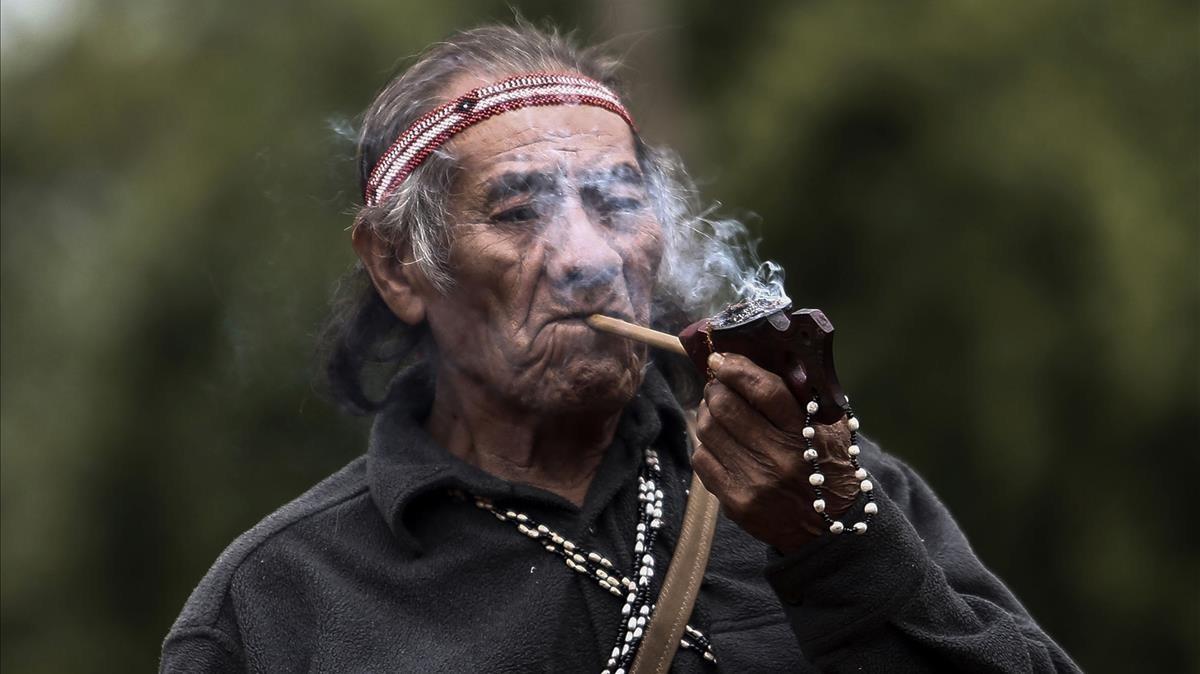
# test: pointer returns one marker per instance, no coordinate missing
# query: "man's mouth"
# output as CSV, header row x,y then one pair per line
x,y
577,319
581,316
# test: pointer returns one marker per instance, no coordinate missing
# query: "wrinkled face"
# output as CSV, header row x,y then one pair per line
x,y
551,223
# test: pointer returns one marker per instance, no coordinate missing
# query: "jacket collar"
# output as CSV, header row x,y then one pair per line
x,y
404,462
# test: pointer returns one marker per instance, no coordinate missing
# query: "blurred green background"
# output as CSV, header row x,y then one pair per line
x,y
996,203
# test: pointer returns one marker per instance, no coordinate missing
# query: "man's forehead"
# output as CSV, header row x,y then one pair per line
x,y
564,139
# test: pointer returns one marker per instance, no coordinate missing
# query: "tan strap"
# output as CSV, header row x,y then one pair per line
x,y
682,582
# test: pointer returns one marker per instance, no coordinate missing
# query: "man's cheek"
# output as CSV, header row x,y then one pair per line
x,y
641,267
646,246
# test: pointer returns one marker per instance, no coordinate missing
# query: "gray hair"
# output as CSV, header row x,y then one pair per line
x,y
362,330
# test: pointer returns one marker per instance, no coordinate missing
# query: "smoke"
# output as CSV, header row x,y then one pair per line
x,y
716,262
707,262
343,129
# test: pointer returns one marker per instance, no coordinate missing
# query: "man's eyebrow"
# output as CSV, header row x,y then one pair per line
x,y
514,183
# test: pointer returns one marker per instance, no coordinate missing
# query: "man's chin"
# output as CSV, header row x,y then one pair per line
x,y
594,383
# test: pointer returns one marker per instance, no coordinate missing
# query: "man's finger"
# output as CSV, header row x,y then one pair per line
x,y
710,471
743,421
734,455
763,389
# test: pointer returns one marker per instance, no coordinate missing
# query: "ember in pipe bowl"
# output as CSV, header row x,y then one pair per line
x,y
796,345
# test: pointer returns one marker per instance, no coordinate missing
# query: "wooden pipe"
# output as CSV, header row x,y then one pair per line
x,y
637,333
796,345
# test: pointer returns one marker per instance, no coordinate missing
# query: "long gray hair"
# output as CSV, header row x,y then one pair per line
x,y
364,343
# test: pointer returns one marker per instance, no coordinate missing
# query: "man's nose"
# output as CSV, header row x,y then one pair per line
x,y
582,259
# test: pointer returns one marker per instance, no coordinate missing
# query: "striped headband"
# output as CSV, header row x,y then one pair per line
x,y
439,125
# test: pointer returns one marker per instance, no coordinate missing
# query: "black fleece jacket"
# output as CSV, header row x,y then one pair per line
x,y
378,568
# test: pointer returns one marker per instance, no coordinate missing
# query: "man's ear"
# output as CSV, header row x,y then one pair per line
x,y
400,282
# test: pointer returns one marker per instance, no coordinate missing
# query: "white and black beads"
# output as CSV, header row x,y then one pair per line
x,y
638,609
636,591
816,478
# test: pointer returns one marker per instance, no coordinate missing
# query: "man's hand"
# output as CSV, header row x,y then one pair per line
x,y
751,455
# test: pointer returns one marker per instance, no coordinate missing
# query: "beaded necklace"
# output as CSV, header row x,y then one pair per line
x,y
638,607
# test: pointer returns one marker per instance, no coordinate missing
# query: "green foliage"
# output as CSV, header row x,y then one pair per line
x,y
996,204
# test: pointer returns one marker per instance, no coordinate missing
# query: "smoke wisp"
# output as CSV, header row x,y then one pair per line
x,y
708,262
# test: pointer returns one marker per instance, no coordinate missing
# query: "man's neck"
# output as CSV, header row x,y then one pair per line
x,y
556,452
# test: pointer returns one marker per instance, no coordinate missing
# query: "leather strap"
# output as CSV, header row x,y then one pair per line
x,y
682,582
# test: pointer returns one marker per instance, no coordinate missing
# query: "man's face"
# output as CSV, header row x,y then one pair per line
x,y
551,222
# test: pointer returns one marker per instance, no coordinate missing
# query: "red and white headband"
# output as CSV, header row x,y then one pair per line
x,y
439,125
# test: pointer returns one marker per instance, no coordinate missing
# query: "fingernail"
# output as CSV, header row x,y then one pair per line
x,y
714,360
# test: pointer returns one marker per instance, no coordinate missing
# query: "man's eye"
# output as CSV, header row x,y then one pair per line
x,y
517,214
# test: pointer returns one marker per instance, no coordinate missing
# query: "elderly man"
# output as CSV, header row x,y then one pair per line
x,y
507,195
